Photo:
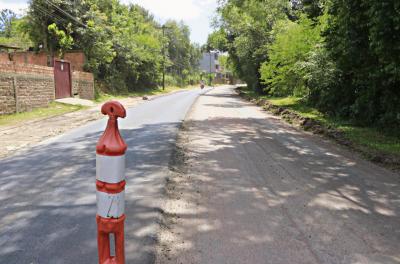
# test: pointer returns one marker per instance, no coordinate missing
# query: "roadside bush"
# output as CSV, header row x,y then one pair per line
x,y
283,73
320,78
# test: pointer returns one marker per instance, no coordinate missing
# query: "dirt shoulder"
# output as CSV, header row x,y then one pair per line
x,y
385,159
26,134
246,187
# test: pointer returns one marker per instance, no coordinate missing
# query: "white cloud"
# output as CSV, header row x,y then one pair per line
x,y
18,6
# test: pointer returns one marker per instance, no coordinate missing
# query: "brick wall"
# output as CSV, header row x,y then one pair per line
x,y
76,58
83,85
29,57
7,95
4,57
24,87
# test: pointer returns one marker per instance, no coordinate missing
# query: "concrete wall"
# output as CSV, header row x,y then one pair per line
x,y
24,87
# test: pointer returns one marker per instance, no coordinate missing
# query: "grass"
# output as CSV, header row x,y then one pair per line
x,y
368,137
53,109
372,139
102,97
56,108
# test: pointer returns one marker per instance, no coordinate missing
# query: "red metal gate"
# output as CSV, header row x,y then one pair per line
x,y
62,79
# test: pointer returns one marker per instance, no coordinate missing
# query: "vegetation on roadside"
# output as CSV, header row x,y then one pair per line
x,y
126,48
341,57
54,109
370,138
103,96
12,30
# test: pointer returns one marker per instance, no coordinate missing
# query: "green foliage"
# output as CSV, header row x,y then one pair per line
x,y
283,73
363,37
320,77
6,20
341,56
313,8
217,41
225,63
123,44
64,38
12,30
183,57
368,138
247,26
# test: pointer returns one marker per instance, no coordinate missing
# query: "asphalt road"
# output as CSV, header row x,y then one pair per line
x,y
47,194
258,191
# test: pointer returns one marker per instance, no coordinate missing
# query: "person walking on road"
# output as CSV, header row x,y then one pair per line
x,y
202,84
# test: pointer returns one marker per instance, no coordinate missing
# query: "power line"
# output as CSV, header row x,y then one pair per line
x,y
66,13
45,12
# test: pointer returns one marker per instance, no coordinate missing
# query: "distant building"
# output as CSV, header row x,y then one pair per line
x,y
209,62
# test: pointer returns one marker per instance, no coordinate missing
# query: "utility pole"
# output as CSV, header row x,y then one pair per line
x,y
163,64
210,78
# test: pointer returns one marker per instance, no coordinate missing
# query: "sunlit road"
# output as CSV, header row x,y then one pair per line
x,y
47,194
259,191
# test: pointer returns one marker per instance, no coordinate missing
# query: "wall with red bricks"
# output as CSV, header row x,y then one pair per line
x,y
83,85
76,58
24,87
7,94
4,57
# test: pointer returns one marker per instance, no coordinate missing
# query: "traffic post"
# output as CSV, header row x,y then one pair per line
x,y
110,185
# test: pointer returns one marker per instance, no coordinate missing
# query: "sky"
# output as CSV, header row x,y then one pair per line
x,y
197,14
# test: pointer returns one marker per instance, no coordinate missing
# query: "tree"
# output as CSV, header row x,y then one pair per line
x,y
6,22
63,38
247,25
122,43
363,38
293,41
183,56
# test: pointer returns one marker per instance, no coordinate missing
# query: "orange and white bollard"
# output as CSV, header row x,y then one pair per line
x,y
110,185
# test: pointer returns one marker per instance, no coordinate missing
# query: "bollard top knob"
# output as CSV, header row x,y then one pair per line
x,y
111,143
113,109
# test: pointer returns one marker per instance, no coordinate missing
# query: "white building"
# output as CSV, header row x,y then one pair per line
x,y
209,62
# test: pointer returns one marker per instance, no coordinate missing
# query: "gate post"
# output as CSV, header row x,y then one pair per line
x,y
110,185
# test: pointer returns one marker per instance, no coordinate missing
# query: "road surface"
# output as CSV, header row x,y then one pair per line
x,y
256,190
47,194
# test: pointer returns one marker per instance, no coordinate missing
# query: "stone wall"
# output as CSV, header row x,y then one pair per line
x,y
83,85
24,87
7,94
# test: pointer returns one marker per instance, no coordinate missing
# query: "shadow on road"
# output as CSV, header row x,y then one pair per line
x,y
260,191
49,205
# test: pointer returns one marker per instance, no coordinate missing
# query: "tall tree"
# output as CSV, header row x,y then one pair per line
x,y
122,43
363,38
247,26
6,20
182,54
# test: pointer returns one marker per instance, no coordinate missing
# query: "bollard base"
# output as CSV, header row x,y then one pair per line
x,y
105,227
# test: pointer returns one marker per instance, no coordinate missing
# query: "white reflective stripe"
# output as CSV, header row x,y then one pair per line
x,y
110,205
110,169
